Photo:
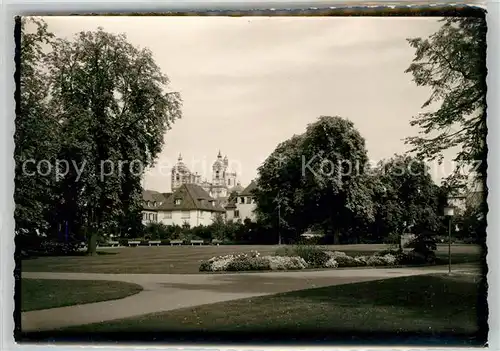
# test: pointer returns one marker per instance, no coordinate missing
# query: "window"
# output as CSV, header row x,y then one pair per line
x,y
177,177
144,216
236,213
242,200
177,201
168,215
229,182
216,174
249,200
185,215
154,204
156,217
150,216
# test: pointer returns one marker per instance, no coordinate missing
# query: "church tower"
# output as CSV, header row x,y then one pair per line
x,y
219,188
229,178
182,175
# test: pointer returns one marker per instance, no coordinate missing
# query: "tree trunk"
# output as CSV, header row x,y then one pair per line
x,y
91,235
336,237
92,243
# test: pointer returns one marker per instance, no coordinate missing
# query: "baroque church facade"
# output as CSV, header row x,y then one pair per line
x,y
222,184
194,201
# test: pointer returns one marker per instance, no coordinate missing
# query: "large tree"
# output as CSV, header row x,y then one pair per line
x,y
279,191
407,199
37,130
113,103
317,178
452,63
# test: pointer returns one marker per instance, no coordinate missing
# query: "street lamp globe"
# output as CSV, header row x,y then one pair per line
x,y
449,211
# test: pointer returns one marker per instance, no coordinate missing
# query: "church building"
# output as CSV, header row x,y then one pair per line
x,y
223,181
194,201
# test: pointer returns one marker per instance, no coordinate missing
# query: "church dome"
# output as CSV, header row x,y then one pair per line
x,y
219,163
180,166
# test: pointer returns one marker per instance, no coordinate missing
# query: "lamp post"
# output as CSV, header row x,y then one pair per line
x,y
449,212
279,223
278,200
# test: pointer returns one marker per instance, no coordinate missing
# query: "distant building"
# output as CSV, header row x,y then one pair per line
x,y
152,200
243,205
195,201
222,184
188,205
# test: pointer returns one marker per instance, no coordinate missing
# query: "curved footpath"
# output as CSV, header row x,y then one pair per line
x,y
164,292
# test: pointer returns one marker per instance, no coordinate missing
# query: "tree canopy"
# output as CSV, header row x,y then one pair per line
x,y
37,130
316,177
407,199
111,106
452,63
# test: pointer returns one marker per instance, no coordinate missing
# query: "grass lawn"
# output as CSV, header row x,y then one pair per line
x,y
186,259
39,294
426,307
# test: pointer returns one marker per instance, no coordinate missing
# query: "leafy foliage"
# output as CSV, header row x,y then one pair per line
x,y
407,199
108,115
452,63
311,179
37,131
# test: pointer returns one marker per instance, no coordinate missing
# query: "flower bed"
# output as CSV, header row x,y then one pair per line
x,y
251,262
294,259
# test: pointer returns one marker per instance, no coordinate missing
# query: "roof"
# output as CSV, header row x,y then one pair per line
x,y
238,188
149,197
248,190
192,197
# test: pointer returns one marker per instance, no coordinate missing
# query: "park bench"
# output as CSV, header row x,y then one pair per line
x,y
133,243
176,242
216,242
114,243
154,242
199,242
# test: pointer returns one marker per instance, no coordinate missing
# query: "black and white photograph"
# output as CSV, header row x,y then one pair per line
x,y
252,179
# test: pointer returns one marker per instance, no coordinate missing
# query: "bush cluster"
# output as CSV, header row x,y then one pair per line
x,y
50,247
246,232
291,258
251,262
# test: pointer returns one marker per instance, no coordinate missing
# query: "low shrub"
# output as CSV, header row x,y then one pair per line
x,y
249,264
415,258
49,247
331,263
286,263
343,260
313,255
386,260
285,251
308,258
218,263
375,261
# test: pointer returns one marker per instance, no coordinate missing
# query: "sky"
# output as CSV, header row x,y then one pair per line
x,y
249,83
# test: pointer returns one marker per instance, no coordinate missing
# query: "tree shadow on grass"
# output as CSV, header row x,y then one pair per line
x,y
276,336
35,255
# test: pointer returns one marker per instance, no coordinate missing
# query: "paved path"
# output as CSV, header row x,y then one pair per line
x,y
164,292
